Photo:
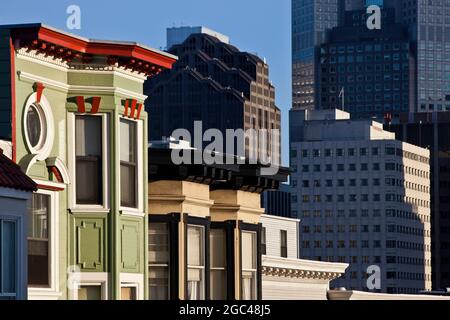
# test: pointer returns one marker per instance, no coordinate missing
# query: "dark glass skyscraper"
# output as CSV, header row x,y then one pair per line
x,y
311,20
367,72
427,24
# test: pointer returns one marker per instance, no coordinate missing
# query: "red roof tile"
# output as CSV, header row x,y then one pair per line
x,y
11,176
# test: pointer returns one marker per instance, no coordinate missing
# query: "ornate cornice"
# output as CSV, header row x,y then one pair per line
x,y
300,274
302,269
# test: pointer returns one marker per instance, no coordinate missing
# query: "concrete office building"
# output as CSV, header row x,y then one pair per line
x,y
431,131
284,276
364,199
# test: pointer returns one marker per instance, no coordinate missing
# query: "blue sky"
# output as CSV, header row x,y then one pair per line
x,y
257,26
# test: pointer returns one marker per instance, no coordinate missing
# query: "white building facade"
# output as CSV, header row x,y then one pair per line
x,y
364,199
284,276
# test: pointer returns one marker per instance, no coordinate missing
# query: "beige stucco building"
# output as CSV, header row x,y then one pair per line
x,y
204,229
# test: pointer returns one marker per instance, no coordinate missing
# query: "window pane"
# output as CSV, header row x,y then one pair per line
x,y
158,283
8,256
128,185
218,255
218,285
33,126
128,141
218,262
195,284
38,241
248,250
88,150
90,293
248,286
195,254
158,243
128,163
128,293
283,240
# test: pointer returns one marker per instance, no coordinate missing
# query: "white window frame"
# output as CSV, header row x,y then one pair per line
x,y
204,257
51,293
47,122
83,208
94,279
139,211
133,280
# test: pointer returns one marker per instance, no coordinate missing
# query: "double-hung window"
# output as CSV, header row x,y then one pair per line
x,y
196,262
218,262
249,265
38,242
159,261
89,163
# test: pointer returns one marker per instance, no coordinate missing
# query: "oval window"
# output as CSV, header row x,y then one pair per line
x,y
34,126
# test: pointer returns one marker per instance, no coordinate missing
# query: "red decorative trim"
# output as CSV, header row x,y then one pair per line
x,y
81,105
133,107
13,99
138,116
95,104
127,106
50,188
57,174
36,33
39,89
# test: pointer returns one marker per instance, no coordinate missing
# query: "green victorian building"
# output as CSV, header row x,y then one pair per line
x,y
71,112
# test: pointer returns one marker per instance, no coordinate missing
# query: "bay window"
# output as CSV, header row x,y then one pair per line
x,y
159,260
8,260
89,166
218,263
128,163
196,262
249,265
38,242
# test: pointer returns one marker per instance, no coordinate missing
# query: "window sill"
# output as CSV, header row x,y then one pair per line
x,y
43,294
89,210
132,213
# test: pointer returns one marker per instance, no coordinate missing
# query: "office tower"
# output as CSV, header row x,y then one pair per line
x,y
363,198
277,202
216,83
367,72
311,20
427,28
431,131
